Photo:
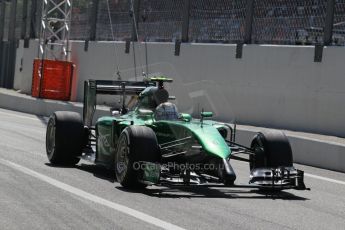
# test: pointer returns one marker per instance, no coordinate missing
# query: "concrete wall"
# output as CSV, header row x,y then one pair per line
x,y
309,149
15,101
271,86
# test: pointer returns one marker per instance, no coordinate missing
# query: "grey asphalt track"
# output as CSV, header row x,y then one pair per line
x,y
28,202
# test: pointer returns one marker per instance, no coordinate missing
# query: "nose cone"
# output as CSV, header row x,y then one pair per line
x,y
212,141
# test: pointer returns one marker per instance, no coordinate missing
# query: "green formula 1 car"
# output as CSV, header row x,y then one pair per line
x,y
148,142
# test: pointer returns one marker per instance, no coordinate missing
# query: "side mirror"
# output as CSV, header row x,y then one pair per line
x,y
115,112
185,117
206,114
145,112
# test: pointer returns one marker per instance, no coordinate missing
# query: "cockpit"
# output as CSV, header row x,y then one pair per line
x,y
156,100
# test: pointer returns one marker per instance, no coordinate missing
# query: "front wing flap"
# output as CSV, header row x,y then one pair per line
x,y
278,178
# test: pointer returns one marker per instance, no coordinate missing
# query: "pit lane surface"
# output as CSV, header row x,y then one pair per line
x,y
35,195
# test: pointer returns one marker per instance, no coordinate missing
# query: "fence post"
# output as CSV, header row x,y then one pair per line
x,y
12,25
93,20
328,30
33,10
135,16
2,20
248,21
24,19
185,22
2,29
11,55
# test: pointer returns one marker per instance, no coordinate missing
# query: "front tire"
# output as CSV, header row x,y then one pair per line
x,y
64,138
272,149
135,144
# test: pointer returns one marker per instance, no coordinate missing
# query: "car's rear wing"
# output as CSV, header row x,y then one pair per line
x,y
94,87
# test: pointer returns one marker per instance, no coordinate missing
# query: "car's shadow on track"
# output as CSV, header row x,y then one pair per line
x,y
193,191
59,166
197,191
98,171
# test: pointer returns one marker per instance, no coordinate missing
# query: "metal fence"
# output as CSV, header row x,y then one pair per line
x,y
80,23
160,20
113,20
291,22
217,20
339,23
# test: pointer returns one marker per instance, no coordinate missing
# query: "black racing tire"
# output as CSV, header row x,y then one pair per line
x,y
272,149
64,138
135,144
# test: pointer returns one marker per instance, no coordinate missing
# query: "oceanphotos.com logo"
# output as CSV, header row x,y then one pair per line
x,y
141,165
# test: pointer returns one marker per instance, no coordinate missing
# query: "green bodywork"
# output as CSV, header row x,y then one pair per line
x,y
202,134
207,135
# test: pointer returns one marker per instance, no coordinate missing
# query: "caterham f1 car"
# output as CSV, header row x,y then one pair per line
x,y
148,142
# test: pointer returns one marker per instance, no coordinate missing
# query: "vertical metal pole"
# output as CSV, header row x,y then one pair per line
x,y
12,26
135,15
33,22
24,19
42,44
328,30
248,21
2,28
11,56
40,34
185,22
2,19
93,20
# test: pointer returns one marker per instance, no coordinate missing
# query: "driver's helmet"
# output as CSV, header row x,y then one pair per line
x,y
166,111
152,97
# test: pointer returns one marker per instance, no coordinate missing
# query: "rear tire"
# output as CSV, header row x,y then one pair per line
x,y
135,144
272,149
64,138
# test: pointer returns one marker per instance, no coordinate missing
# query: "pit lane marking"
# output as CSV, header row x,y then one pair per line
x,y
20,116
324,178
88,196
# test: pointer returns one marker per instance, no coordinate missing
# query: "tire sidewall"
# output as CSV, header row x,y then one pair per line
x,y
276,150
68,138
120,179
51,149
136,138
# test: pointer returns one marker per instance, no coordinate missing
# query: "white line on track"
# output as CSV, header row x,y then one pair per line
x,y
88,196
20,116
324,178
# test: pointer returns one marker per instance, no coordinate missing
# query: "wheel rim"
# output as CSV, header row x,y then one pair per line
x,y
258,149
50,140
122,159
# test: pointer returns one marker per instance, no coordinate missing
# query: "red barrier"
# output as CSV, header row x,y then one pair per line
x,y
56,80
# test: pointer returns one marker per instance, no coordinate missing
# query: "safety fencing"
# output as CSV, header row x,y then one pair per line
x,y
283,22
286,22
